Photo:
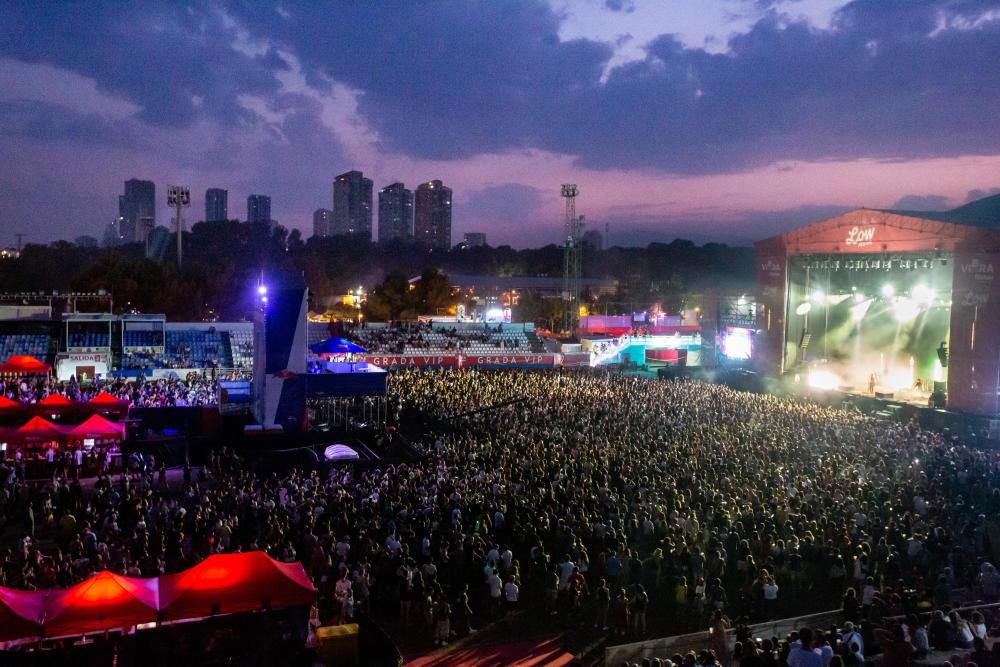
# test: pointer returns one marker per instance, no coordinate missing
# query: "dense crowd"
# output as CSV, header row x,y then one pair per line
x,y
614,502
193,390
399,337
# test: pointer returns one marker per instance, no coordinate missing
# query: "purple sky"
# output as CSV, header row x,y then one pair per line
x,y
709,119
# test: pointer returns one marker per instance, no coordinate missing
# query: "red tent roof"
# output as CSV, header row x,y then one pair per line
x,y
231,583
24,364
37,427
228,583
96,426
104,398
55,400
8,404
20,613
106,600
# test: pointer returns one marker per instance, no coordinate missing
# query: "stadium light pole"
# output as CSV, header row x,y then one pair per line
x,y
179,197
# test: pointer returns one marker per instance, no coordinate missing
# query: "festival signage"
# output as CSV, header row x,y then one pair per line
x,y
413,360
510,360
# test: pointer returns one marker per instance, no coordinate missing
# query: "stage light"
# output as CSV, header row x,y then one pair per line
x,y
938,372
858,297
262,290
859,310
803,308
742,301
888,290
818,296
821,379
906,310
899,378
923,294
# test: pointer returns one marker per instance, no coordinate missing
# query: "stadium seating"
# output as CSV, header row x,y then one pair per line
x,y
37,345
241,348
143,339
444,339
89,340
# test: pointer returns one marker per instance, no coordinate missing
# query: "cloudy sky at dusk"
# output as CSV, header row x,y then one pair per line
x,y
709,119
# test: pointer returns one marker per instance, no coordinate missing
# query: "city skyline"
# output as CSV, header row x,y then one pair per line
x,y
725,120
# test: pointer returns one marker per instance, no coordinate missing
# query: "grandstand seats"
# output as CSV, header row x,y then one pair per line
x,y
89,340
36,345
445,339
191,348
241,348
143,339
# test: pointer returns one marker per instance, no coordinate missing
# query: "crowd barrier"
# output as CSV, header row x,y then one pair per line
x,y
528,360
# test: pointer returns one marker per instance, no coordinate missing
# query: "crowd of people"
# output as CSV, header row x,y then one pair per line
x,y
400,337
618,504
194,390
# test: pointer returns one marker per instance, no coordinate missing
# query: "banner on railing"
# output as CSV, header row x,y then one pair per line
x,y
510,360
414,360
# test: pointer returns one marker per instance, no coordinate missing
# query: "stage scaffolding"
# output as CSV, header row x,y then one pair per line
x,y
348,413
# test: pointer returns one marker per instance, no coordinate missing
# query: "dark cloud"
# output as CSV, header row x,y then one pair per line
x,y
922,203
56,123
620,5
174,61
448,83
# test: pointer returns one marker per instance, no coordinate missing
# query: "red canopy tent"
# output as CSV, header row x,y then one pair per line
x,y
38,428
20,613
231,583
105,402
106,600
8,405
96,427
24,365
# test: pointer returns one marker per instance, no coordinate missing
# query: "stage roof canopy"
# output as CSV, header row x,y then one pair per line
x,y
875,231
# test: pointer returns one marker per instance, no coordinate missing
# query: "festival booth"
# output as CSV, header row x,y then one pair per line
x,y
221,584
54,405
24,365
106,404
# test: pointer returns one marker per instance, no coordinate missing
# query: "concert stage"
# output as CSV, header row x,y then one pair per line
x,y
887,305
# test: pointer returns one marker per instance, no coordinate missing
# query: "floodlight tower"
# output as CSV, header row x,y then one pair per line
x,y
179,197
571,258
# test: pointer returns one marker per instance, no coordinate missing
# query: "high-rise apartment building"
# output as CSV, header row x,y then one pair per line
x,y
216,205
474,240
395,213
322,221
432,216
259,208
352,205
137,210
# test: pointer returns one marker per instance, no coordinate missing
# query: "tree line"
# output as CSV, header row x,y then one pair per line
x,y
222,261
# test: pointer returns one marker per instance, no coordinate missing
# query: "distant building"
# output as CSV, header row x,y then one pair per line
x,y
85,241
432,215
474,239
395,213
113,234
137,210
594,239
322,222
216,205
259,208
352,205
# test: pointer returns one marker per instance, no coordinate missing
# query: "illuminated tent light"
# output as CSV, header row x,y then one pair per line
x,y
803,308
823,379
340,452
888,290
906,310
